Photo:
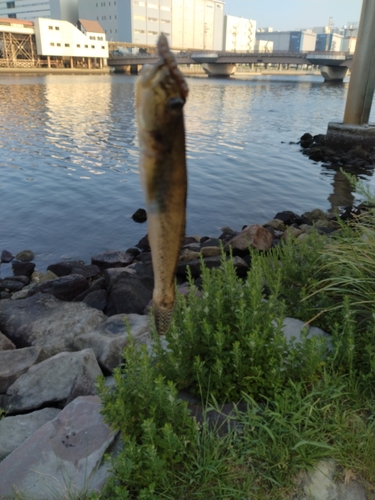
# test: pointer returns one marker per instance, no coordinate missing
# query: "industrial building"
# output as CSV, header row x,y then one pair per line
x,y
189,24
52,43
329,41
239,34
290,41
32,9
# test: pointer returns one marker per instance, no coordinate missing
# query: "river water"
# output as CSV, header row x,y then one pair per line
x,y
68,166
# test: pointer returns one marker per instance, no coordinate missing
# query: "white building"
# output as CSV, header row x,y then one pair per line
x,y
61,39
32,9
239,34
196,24
290,41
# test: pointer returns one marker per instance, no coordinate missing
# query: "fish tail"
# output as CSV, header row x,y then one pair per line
x,y
163,317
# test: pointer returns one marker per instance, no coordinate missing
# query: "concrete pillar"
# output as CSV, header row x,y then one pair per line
x,y
101,63
71,62
362,80
333,73
48,61
89,62
219,69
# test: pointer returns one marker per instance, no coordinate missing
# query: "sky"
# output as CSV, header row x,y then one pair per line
x,y
295,14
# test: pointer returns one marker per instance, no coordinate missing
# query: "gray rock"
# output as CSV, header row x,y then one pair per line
x,y
22,294
276,224
15,430
5,343
320,484
195,266
25,256
112,336
208,251
61,458
96,299
53,381
39,277
22,268
292,329
112,259
315,215
64,288
14,363
6,257
42,320
11,286
65,268
128,295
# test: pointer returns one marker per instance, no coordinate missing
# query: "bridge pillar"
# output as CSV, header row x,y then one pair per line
x,y
333,73
134,69
355,131
219,69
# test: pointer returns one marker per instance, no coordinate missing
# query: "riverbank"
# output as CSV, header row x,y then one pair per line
x,y
64,326
56,71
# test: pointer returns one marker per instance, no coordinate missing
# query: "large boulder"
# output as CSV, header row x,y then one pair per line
x,y
64,288
54,380
61,458
14,363
109,340
128,294
5,343
15,430
43,320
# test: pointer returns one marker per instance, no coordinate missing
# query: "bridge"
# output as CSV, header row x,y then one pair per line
x,y
333,65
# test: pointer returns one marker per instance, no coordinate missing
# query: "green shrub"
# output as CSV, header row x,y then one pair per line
x,y
227,339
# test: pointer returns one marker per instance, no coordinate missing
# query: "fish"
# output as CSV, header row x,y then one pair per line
x,y
161,93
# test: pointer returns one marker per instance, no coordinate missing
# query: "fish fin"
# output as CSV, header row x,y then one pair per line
x,y
163,317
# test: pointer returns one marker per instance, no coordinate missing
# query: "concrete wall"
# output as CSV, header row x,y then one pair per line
x,y
60,38
239,33
66,10
27,9
106,13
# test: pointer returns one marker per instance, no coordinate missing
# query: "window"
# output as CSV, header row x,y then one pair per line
x,y
52,44
167,21
58,44
57,28
92,38
155,19
12,16
139,32
100,38
86,46
78,45
93,46
50,27
67,45
103,47
11,5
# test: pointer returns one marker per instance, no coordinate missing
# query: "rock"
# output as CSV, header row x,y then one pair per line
x,y
320,484
23,268
210,242
254,236
62,456
97,299
5,295
109,340
140,215
6,257
112,259
15,430
39,277
5,343
64,288
128,294
188,240
306,140
143,244
25,292
208,251
195,266
88,272
287,217
8,285
25,256
186,255
144,257
133,251
292,329
65,268
13,363
291,232
315,215
241,266
275,224
43,320
64,372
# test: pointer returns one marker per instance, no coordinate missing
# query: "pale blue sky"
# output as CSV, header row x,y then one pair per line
x,y
295,14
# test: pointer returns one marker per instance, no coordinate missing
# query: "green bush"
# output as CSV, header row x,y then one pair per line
x,y
227,339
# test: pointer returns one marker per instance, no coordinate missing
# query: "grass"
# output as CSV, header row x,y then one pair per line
x,y
295,403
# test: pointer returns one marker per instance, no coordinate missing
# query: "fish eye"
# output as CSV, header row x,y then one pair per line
x,y
176,103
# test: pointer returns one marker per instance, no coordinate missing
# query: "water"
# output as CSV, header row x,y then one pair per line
x,y
68,166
